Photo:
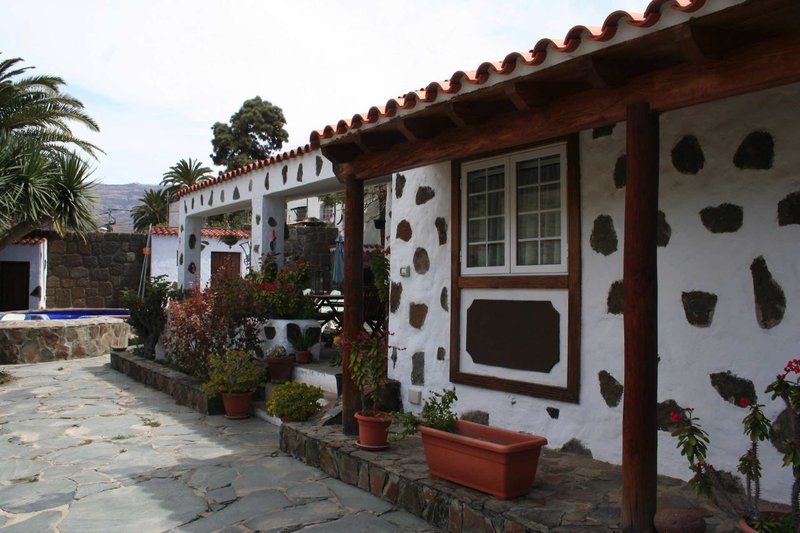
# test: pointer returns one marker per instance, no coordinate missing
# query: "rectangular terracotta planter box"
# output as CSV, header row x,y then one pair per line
x,y
496,461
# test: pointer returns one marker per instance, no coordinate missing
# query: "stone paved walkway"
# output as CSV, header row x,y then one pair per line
x,y
85,448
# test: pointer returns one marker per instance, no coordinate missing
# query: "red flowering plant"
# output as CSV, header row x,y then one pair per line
x,y
278,293
368,356
693,443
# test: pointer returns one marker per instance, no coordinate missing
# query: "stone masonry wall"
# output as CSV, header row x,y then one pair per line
x,y
92,273
312,243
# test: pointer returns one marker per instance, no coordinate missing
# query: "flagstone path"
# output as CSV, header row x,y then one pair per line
x,y
84,448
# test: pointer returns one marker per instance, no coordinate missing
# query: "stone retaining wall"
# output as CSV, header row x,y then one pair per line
x,y
39,341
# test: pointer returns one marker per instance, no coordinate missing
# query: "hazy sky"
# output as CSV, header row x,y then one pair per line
x,y
157,74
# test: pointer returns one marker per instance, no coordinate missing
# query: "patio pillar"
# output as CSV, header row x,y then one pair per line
x,y
268,236
188,260
639,430
353,292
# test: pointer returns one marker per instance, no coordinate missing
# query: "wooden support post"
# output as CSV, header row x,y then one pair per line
x,y
353,292
639,430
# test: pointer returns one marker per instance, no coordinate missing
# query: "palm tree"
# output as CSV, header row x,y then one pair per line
x,y
153,209
185,173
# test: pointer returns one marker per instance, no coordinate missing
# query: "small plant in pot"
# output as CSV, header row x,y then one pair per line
x,y
693,443
302,342
500,462
235,375
280,365
367,359
294,401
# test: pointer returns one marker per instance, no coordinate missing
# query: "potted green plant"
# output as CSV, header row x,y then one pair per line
x,y
294,401
502,463
235,375
280,365
693,443
302,342
367,359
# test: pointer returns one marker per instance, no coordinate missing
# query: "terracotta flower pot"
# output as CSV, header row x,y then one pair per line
x,y
302,357
280,369
237,404
373,432
500,462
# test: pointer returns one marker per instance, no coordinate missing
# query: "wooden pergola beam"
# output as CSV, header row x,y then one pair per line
x,y
639,428
353,293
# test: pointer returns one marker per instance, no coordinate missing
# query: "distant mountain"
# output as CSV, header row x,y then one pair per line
x,y
119,199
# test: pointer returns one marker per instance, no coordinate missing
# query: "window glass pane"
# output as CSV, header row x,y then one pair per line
x,y
550,169
551,224
496,254
476,206
476,231
527,173
528,253
528,226
496,229
496,178
476,182
496,201
551,252
476,255
527,199
551,196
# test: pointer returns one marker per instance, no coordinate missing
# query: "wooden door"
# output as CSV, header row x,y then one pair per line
x,y
14,287
226,265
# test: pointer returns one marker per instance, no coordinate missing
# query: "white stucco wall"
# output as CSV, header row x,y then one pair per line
x,y
694,259
36,255
164,262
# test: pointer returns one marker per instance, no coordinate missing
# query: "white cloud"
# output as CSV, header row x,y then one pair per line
x,y
157,75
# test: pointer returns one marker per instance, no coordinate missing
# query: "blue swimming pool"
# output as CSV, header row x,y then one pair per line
x,y
62,314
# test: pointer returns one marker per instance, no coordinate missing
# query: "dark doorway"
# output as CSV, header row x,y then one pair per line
x,y
14,287
226,265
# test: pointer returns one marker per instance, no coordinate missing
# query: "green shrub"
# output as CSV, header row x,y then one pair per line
x,y
294,401
233,371
436,413
147,314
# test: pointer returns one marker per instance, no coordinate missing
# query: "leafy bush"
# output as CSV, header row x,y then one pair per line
x,y
233,371
277,352
147,314
294,401
436,413
279,293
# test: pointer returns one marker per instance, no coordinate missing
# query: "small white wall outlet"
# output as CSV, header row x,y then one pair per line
x,y
405,271
414,396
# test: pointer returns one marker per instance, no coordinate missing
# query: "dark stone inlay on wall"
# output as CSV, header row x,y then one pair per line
x,y
417,314
662,414
250,186
285,173
269,332
211,198
699,307
554,412
266,181
441,228
440,353
604,237
780,434
610,389
418,368
732,388
770,300
258,220
201,199
789,209
257,248
192,203
616,298
687,155
444,299
422,262
181,228
192,241
577,447
222,196
518,334
395,293
757,151
478,417
403,231
236,193
424,194
272,222
300,172
621,172
663,231
180,260
185,208
603,131
393,357
319,162
400,184
724,218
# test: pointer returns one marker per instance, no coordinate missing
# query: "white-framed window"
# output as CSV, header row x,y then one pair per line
x,y
514,213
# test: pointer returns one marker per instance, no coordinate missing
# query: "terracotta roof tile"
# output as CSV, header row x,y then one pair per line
x,y
206,232
536,56
31,240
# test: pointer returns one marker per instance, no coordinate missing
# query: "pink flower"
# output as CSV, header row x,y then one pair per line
x,y
675,417
743,402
